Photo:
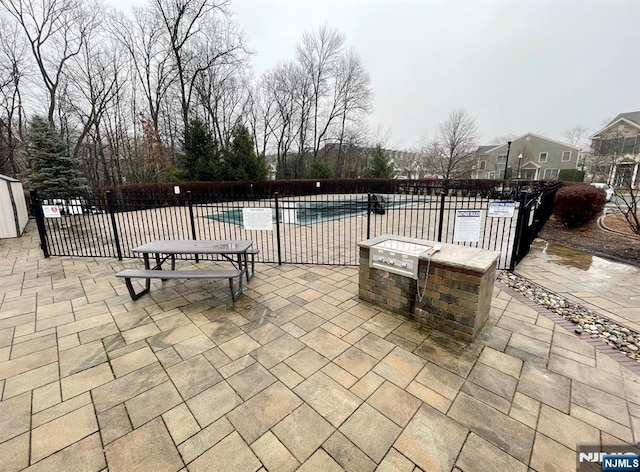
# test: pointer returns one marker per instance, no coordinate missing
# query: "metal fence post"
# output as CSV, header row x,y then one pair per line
x,y
114,226
517,240
192,220
368,215
36,208
278,229
441,219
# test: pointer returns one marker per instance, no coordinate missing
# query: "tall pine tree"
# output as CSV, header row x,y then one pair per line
x,y
200,160
380,166
50,165
242,162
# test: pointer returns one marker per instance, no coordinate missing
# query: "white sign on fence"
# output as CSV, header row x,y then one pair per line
x,y
467,226
257,218
502,209
51,211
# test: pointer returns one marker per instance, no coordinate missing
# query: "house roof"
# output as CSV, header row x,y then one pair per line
x,y
539,136
484,149
631,117
8,179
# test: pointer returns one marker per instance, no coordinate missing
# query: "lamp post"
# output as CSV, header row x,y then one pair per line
x,y
519,163
506,164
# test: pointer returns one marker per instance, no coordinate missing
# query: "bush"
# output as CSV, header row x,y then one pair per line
x,y
571,175
578,204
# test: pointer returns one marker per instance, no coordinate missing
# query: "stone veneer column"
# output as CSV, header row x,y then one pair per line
x,y
456,301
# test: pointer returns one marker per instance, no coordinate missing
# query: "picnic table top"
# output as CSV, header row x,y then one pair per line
x,y
227,246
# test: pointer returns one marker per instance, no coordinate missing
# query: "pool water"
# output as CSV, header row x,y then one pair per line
x,y
305,213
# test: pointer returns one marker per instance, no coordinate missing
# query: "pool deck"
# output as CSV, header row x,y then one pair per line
x,y
297,374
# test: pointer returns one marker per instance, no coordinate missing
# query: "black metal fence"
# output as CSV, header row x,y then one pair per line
x,y
307,229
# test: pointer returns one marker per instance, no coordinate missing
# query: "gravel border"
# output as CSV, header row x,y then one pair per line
x,y
584,322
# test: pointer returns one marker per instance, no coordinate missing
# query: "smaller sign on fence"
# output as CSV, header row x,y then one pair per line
x,y
257,219
502,209
467,227
51,211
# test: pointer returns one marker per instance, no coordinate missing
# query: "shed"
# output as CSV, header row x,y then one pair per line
x,y
13,208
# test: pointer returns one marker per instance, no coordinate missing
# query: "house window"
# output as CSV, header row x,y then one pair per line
x,y
566,156
492,175
550,174
483,165
501,159
628,145
543,157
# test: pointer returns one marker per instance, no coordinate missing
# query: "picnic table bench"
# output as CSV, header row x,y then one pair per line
x,y
235,251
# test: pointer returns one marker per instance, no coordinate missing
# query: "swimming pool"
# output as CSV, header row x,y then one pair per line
x,y
306,212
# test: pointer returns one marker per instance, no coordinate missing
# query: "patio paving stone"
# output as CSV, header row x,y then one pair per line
x,y
147,448
395,403
15,416
114,423
193,376
494,426
261,412
325,343
480,455
85,455
302,432
347,454
251,380
213,403
232,453
30,380
62,432
334,402
370,431
273,454
546,387
431,440
152,403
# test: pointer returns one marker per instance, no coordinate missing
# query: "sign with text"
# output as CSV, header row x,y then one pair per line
x,y
502,209
467,227
51,211
257,218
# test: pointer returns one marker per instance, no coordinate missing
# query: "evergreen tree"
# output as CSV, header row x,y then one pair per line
x,y
319,170
50,166
242,162
200,160
380,165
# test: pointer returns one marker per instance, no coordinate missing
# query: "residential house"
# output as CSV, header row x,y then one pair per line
x,y
615,151
531,157
406,164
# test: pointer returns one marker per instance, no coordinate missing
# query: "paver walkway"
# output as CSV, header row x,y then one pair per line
x,y
297,374
606,287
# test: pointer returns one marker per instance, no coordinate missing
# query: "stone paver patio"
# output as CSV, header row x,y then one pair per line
x,y
297,374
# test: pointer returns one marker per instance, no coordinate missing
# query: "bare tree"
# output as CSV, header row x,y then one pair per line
x,y
319,55
199,38
354,96
12,70
55,31
451,153
578,136
152,62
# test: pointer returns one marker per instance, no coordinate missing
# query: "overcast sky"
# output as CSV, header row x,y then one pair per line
x,y
513,65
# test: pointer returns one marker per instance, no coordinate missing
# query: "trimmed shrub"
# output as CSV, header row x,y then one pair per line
x,y
571,175
578,204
